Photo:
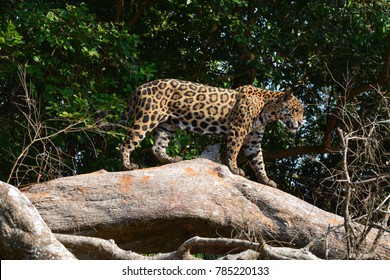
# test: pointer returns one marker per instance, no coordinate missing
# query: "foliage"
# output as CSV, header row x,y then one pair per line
x,y
75,65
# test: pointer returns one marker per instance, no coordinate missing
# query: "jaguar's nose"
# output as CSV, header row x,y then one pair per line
x,y
293,126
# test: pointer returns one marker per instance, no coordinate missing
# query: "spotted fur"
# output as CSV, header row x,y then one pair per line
x,y
238,115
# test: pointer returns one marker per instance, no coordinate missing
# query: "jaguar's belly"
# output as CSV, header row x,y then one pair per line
x,y
203,126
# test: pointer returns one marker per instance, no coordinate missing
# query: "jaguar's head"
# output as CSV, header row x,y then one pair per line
x,y
292,112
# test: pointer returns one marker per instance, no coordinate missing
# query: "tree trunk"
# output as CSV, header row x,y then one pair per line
x,y
156,210
24,235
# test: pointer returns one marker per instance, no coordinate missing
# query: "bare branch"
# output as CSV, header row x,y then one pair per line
x,y
107,249
351,92
98,248
40,158
363,174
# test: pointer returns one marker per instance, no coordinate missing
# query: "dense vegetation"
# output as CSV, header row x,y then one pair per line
x,y
61,61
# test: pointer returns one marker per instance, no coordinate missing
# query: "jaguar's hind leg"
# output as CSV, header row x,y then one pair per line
x,y
164,133
134,136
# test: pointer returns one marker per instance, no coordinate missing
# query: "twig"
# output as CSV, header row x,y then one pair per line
x,y
49,159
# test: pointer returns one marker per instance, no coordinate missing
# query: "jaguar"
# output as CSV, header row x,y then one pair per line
x,y
237,115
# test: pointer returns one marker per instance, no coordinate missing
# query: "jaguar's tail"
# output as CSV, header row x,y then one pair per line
x,y
100,115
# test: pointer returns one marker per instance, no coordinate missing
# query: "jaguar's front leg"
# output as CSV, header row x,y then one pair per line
x,y
254,154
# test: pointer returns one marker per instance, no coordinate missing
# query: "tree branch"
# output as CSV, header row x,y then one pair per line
x,y
297,151
118,10
24,234
140,10
107,249
97,248
382,80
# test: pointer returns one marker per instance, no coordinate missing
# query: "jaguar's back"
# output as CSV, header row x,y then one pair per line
x,y
190,106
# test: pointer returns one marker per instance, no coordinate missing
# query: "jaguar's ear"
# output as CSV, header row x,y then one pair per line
x,y
286,96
